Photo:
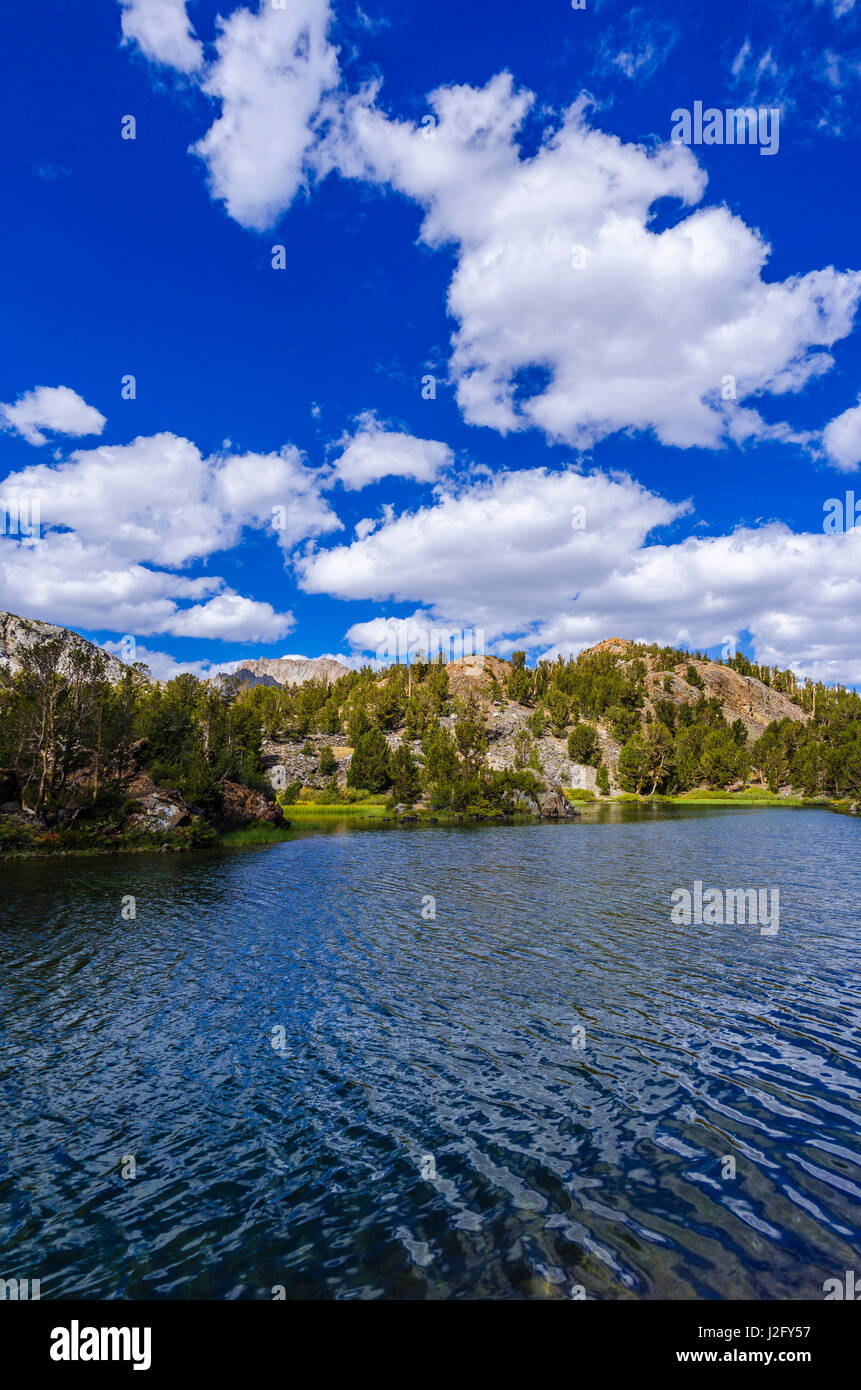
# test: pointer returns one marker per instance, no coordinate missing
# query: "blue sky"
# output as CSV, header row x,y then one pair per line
x,y
414,247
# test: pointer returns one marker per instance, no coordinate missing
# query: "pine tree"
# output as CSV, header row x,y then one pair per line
x,y
369,765
406,784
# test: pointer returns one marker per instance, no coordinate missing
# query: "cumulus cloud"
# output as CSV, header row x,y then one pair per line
x,y
56,408
232,618
118,523
161,501
162,665
574,314
842,440
376,451
270,73
555,562
541,535
163,32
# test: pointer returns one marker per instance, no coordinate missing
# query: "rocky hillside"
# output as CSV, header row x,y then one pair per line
x,y
507,721
92,765
18,633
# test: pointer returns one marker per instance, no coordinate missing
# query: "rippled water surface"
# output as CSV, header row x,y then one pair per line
x,y
427,1129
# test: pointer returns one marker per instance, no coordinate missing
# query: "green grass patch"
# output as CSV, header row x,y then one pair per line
x,y
717,794
315,810
750,797
254,835
579,794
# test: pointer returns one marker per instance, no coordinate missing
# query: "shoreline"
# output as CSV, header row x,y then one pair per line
x,y
314,819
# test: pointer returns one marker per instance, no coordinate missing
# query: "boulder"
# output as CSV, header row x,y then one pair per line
x,y
549,805
244,806
158,813
553,805
158,810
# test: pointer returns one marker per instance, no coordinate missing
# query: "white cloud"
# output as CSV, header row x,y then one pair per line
x,y
91,585
55,408
636,46
275,490
232,618
270,74
163,666
161,501
842,440
163,31
560,273
503,556
497,553
795,594
118,522
376,451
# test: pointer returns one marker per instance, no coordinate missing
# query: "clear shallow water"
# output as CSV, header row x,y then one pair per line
x,y
407,1038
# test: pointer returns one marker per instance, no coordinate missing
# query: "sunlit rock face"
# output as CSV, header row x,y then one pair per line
x,y
16,634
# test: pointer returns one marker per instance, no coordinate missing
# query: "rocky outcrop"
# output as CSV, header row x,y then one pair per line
x,y
158,811
508,736
741,697
16,634
747,699
244,806
476,673
553,805
549,805
285,761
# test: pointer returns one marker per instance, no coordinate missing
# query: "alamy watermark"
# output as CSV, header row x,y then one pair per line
x,y
718,907
23,1290
406,643
741,125
20,516
845,1288
841,515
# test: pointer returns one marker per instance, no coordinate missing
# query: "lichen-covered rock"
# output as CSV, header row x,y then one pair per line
x,y
157,811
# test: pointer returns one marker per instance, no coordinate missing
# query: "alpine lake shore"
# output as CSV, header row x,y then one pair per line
x,y
310,817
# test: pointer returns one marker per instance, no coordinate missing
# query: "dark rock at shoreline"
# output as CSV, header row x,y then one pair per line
x,y
553,805
241,806
549,805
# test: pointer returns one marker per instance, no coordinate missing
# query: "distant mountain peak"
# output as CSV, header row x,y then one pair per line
x,y
287,670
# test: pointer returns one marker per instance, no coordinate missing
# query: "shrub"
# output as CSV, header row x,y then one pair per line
x,y
584,745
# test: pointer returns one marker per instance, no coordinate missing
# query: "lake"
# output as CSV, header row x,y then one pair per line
x,y
322,1091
